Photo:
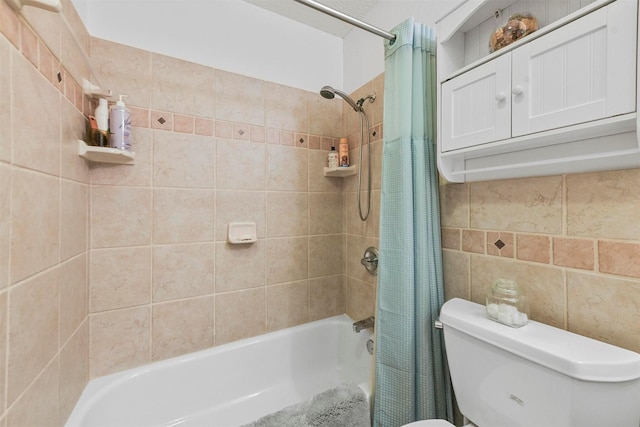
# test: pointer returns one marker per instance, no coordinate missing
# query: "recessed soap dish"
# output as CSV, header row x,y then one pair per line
x,y
241,232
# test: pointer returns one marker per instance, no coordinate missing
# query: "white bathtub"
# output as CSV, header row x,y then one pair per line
x,y
231,384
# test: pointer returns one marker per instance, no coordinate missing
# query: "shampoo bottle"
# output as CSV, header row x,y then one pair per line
x,y
98,131
333,158
344,152
120,126
102,115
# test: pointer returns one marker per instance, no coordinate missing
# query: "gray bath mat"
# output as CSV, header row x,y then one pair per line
x,y
343,406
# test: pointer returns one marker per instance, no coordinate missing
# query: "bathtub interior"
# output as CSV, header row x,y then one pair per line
x,y
232,384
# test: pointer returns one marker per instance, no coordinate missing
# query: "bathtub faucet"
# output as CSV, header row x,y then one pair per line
x,y
364,324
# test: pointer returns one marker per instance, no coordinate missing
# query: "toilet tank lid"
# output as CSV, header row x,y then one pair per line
x,y
571,354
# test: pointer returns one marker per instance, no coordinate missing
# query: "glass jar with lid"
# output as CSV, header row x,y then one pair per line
x,y
507,304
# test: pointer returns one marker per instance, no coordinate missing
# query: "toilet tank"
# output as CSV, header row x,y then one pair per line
x,y
537,375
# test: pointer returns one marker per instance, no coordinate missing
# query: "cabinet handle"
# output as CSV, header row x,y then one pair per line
x,y
517,90
500,96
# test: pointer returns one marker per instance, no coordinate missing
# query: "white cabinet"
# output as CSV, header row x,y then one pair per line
x,y
580,72
510,114
476,106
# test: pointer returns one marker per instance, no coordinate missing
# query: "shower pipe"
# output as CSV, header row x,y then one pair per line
x,y
329,93
348,19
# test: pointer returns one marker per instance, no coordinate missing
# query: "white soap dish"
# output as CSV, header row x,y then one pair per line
x,y
241,232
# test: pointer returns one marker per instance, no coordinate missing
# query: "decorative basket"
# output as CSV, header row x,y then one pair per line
x,y
518,25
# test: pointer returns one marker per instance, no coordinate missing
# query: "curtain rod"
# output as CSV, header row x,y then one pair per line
x,y
348,19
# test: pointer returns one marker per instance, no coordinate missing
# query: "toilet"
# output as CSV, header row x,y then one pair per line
x,y
536,375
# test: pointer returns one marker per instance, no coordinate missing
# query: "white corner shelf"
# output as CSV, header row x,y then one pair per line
x,y
105,154
340,172
95,91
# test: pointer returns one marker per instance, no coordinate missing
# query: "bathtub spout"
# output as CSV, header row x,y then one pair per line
x,y
364,324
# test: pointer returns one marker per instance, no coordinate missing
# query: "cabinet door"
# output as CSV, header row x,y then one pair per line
x,y
476,105
580,72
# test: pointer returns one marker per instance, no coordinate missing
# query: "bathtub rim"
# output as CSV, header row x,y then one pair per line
x,y
98,387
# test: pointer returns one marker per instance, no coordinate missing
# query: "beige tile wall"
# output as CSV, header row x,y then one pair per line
x,y
218,147
107,267
44,212
361,286
212,147
572,241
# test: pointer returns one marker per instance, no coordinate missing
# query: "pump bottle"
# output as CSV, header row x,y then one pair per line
x,y
120,126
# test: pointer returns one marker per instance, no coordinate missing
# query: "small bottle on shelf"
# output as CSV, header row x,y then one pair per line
x,y
332,158
344,153
102,115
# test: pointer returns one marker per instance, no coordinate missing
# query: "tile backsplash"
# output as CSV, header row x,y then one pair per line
x,y
572,241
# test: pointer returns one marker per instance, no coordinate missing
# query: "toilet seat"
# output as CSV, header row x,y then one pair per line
x,y
430,423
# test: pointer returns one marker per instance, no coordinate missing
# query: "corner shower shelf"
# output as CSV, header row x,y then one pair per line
x,y
340,171
105,154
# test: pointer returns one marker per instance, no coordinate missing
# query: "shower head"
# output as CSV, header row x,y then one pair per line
x,y
330,93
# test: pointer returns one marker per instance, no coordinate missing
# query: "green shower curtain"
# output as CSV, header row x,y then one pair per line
x,y
412,380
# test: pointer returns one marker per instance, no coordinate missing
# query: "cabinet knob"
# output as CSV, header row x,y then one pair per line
x,y
517,90
500,96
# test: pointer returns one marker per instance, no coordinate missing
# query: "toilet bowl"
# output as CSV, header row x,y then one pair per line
x,y
434,423
430,423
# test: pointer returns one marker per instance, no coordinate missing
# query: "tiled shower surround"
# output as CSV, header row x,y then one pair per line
x,y
106,267
213,147
103,268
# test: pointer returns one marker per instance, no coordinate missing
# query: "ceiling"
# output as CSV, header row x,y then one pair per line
x,y
291,9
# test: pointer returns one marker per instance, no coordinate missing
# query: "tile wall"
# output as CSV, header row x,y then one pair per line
x,y
361,286
572,241
44,211
106,267
212,147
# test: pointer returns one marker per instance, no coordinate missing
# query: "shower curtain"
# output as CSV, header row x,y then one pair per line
x,y
412,380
